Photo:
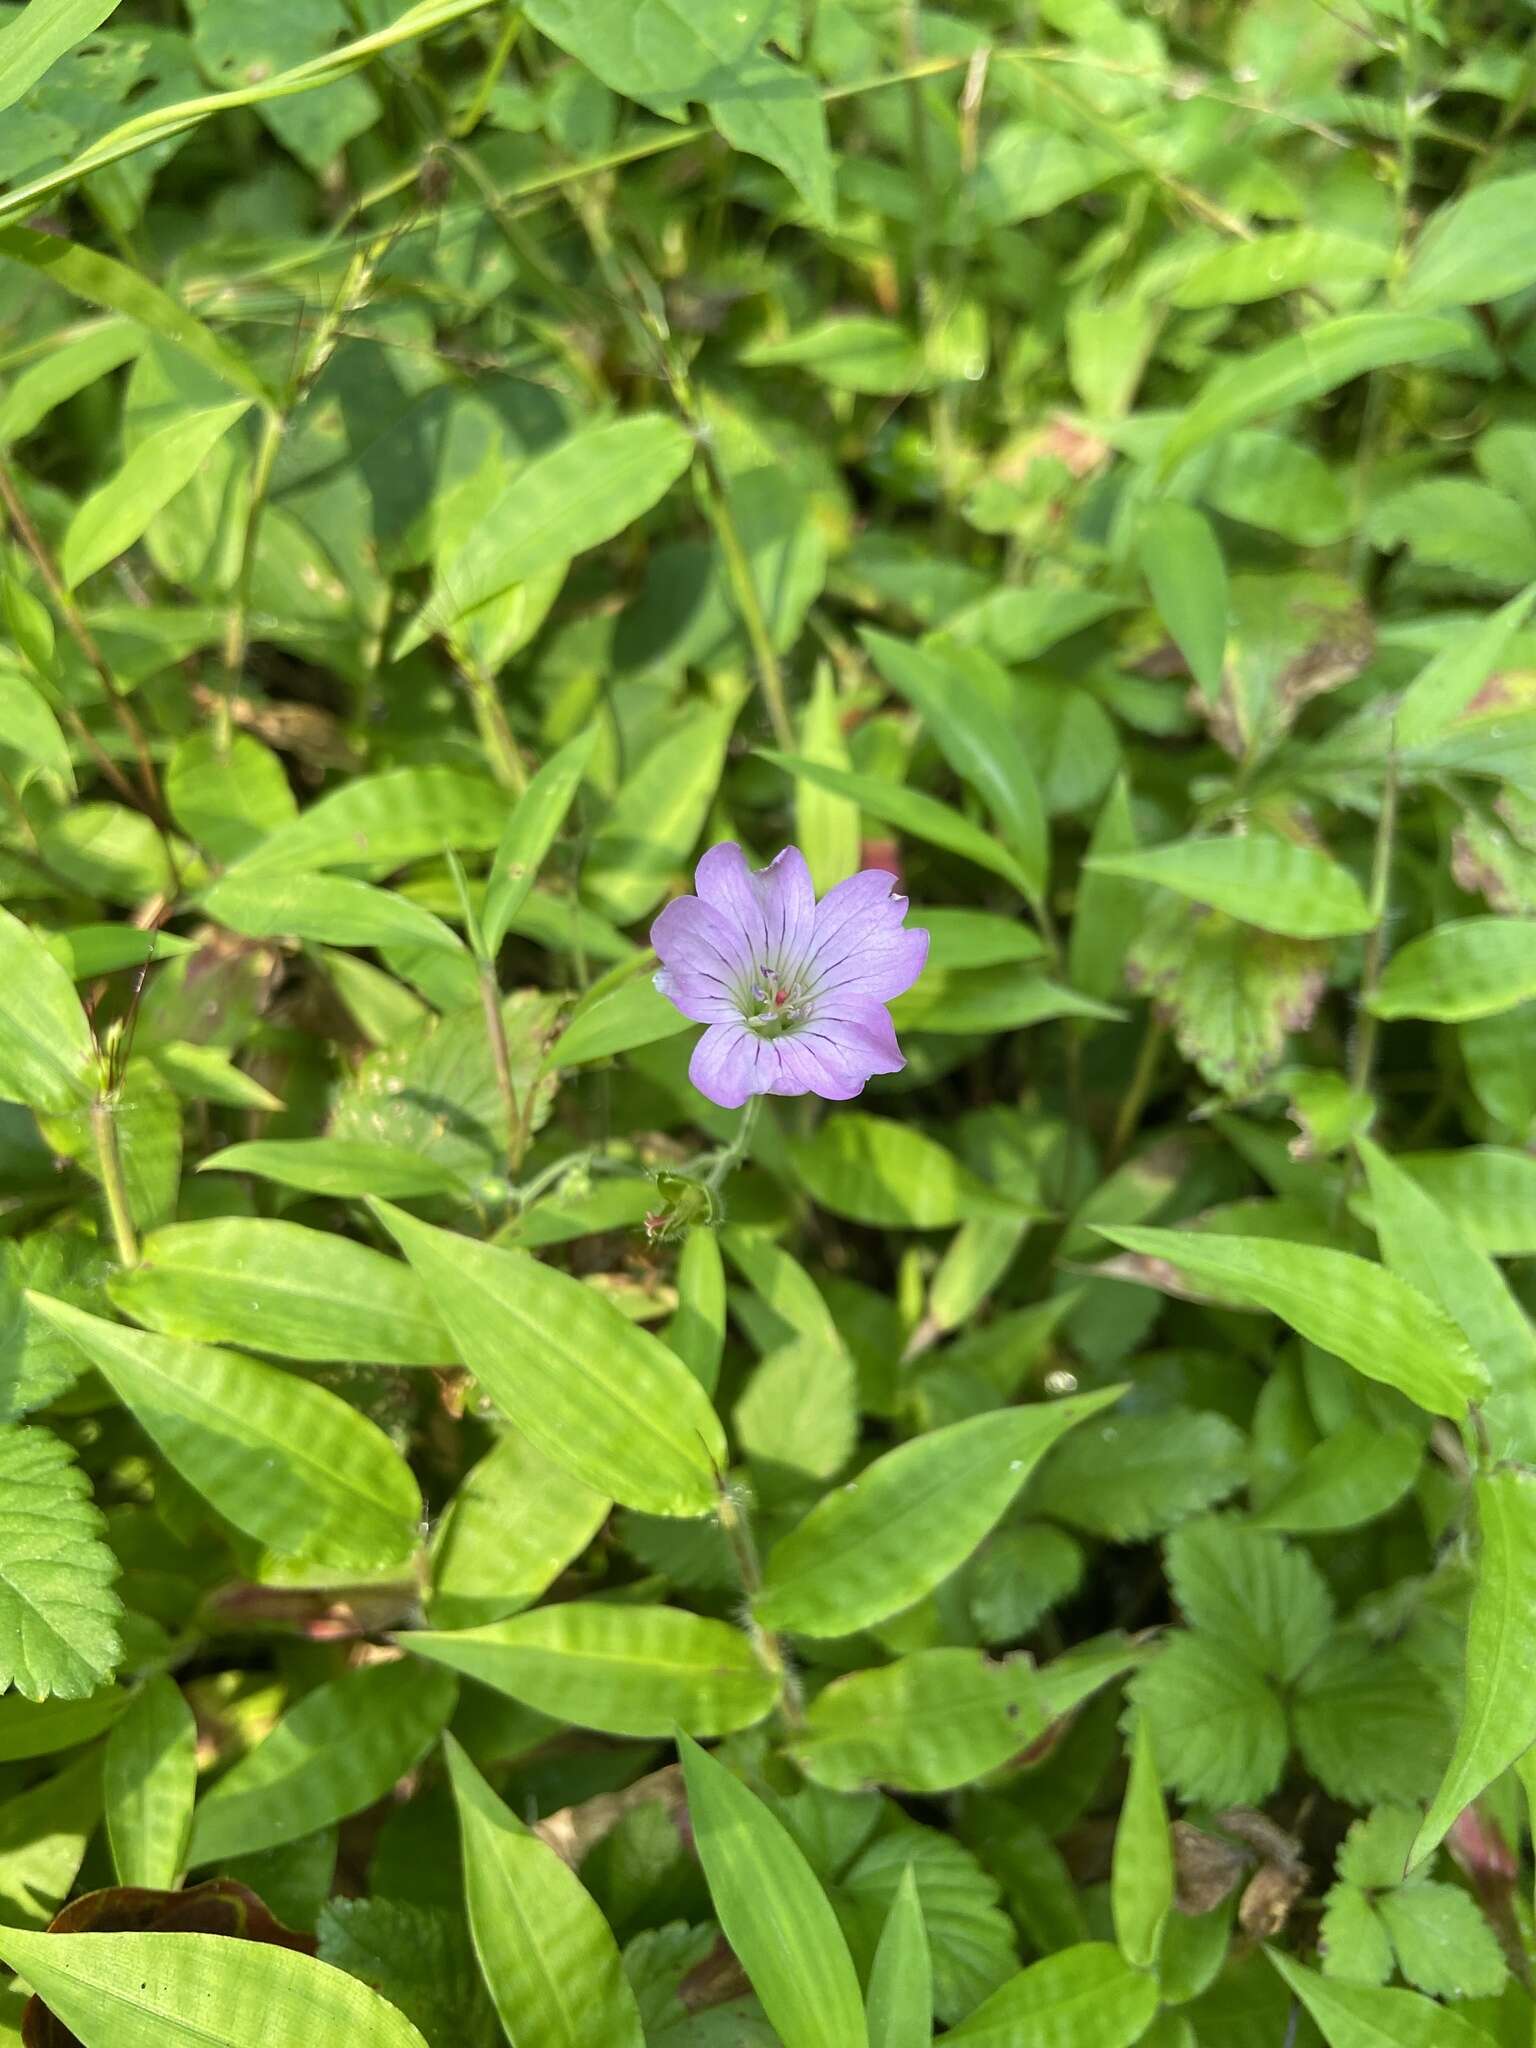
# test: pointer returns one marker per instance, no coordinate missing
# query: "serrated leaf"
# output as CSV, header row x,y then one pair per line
x,y
627,1670
1231,992
283,1459
1219,1729
1369,1723
601,1397
1359,1311
548,1958
58,1612
1444,1945
1252,1590
775,1915
881,1542
1352,1942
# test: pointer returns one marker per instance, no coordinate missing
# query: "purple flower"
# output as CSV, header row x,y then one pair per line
x,y
793,991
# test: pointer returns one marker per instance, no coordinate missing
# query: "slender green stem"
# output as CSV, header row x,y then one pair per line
x,y
1134,1100
736,1526
727,1161
474,113
738,568
74,620
1363,1052
505,762
109,1164
237,625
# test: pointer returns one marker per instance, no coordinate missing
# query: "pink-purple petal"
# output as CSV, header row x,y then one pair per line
x,y
882,965
724,1065
698,996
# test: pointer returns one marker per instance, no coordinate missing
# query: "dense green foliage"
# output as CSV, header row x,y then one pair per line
x,y
1044,1553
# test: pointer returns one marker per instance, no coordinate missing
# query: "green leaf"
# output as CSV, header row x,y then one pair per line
x,y
47,1055
850,352
826,825
963,697
31,744
876,1171
654,822
1219,1729
1085,1997
68,367
1499,1720
697,1331
1182,562
1135,1475
1424,1243
515,1523
546,1952
584,490
1109,911
343,1746
927,1723
1480,247
1272,883
1352,1941
1231,991
197,1991
656,51
1471,967
622,1011
43,1835
604,1399
909,810
1240,273
103,281
1305,367
117,513
773,110
420,1957
624,1669
885,1539
381,822
150,1781
1142,1875
774,1913
32,1728
899,2004
1259,1595
58,1612
1360,2016
1370,1721
530,832
282,1288
327,910
1446,685
336,1166
283,1459
45,31
1362,1313
1351,1477
1444,1945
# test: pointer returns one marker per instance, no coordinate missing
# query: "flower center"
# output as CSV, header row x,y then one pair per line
x,y
773,1002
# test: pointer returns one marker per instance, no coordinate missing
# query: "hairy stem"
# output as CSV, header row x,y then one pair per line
x,y
109,1163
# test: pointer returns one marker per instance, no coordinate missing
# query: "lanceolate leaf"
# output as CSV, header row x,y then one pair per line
x,y
41,35
150,1784
1261,880
900,2004
1361,1312
1472,967
197,1991
530,833
601,1397
283,1288
46,1051
545,1950
1498,1722
625,1669
286,1461
114,517
879,1543
1084,1997
1361,2016
775,1915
